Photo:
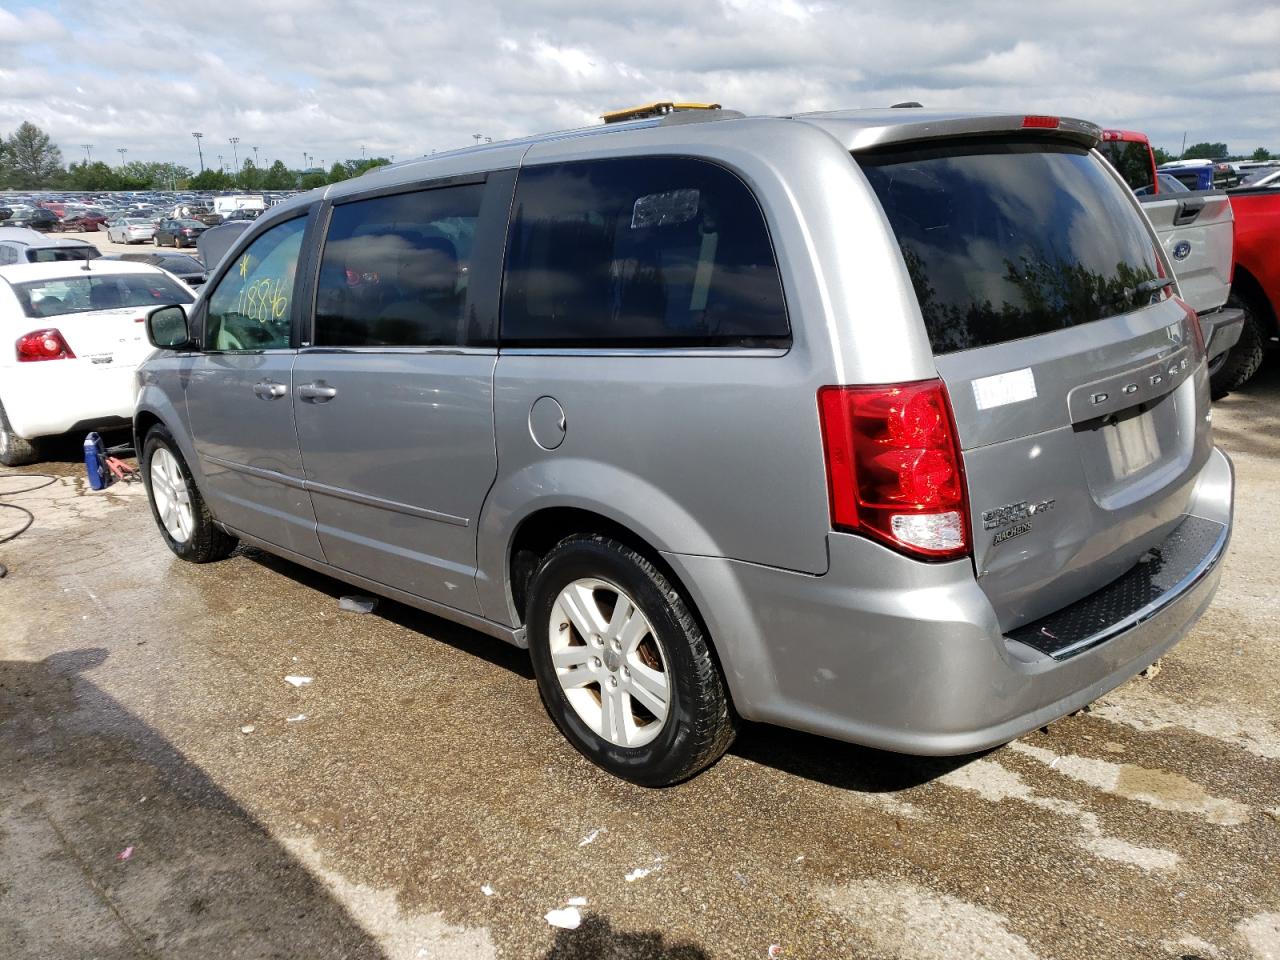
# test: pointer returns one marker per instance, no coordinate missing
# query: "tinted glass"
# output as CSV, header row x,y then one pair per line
x,y
1006,241
395,270
250,308
60,254
1132,161
640,252
51,298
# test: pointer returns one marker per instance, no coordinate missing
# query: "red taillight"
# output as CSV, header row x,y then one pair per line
x,y
43,345
1193,320
1041,123
893,466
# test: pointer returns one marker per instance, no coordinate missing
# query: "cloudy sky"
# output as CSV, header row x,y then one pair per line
x,y
404,78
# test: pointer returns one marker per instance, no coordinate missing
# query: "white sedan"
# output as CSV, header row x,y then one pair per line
x,y
131,230
71,337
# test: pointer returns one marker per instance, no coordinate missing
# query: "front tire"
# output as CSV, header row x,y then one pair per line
x,y
15,451
1245,356
179,511
623,666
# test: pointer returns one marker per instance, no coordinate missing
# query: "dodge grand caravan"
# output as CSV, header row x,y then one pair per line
x,y
885,425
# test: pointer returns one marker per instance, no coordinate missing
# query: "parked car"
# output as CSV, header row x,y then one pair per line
x,y
886,425
1196,231
1261,177
131,230
80,223
89,319
23,245
1194,174
36,218
178,233
186,268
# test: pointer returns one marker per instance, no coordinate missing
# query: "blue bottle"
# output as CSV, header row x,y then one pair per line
x,y
95,462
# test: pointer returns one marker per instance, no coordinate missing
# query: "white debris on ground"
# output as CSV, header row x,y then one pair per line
x,y
248,728
590,837
487,890
640,873
577,901
357,604
567,918
298,719
297,681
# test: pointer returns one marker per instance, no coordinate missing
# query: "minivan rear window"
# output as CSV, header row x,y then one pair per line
x,y
1005,241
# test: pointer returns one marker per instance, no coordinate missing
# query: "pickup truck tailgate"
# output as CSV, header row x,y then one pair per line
x,y
1197,233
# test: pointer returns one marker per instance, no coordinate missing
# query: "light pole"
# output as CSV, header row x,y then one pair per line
x,y
199,152
221,169
122,151
255,156
235,154
88,156
477,137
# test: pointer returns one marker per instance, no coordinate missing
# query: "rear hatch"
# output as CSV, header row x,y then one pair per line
x,y
1074,375
1196,231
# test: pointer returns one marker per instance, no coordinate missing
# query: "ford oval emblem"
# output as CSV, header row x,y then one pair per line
x,y
1182,250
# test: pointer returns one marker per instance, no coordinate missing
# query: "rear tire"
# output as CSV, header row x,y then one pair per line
x,y
1245,357
668,714
15,451
179,510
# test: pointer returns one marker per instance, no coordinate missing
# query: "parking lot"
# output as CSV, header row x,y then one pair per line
x,y
166,793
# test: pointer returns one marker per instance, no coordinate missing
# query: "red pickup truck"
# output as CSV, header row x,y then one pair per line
x,y
1255,283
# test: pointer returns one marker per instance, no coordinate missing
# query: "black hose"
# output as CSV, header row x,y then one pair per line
x,y
48,479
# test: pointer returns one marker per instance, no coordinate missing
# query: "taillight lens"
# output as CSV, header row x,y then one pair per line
x,y
1040,122
1197,331
43,345
894,471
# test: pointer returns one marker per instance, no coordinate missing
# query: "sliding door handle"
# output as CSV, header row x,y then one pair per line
x,y
318,392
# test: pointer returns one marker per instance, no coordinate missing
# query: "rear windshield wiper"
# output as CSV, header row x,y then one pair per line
x,y
1145,291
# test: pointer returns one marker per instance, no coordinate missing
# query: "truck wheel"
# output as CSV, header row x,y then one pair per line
x,y
180,512
622,664
1243,359
15,451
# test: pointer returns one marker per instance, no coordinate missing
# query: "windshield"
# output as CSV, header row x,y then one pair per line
x,y
61,254
1004,241
51,298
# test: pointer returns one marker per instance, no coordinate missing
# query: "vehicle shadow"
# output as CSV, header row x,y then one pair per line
x,y
837,764
596,939
845,766
114,844
473,642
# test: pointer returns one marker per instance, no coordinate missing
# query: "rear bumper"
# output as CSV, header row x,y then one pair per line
x,y
909,657
1222,330
56,396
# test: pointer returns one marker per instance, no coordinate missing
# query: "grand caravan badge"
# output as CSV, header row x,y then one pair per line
x,y
1019,513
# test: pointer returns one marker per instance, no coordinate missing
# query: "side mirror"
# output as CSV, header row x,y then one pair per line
x,y
167,329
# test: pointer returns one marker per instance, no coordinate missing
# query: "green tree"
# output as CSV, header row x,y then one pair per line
x,y
279,177
211,180
32,160
250,177
337,173
1262,153
91,176
1162,155
312,180
1205,151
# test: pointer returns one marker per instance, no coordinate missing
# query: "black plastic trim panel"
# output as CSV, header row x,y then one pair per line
x,y
1162,575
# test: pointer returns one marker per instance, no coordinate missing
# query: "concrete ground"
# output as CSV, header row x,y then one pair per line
x,y
164,792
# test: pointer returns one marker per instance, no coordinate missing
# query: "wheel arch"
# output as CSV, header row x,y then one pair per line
x,y
1245,285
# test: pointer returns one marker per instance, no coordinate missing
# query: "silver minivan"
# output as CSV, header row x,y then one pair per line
x,y
886,425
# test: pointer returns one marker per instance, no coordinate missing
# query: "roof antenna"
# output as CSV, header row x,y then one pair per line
x,y
907,103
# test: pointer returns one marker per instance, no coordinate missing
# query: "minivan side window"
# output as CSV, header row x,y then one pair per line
x,y
640,252
250,308
395,270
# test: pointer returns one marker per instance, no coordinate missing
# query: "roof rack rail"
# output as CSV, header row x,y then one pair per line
x,y
657,109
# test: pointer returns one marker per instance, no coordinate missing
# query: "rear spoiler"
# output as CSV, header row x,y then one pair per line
x,y
1080,132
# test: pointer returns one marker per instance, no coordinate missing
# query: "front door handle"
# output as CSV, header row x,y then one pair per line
x,y
318,392
269,389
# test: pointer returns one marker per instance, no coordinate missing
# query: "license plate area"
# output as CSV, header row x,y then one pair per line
x,y
1126,454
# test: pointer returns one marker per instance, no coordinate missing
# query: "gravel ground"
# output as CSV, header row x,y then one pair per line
x,y
165,793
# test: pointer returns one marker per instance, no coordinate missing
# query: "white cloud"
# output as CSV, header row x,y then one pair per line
x,y
404,78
